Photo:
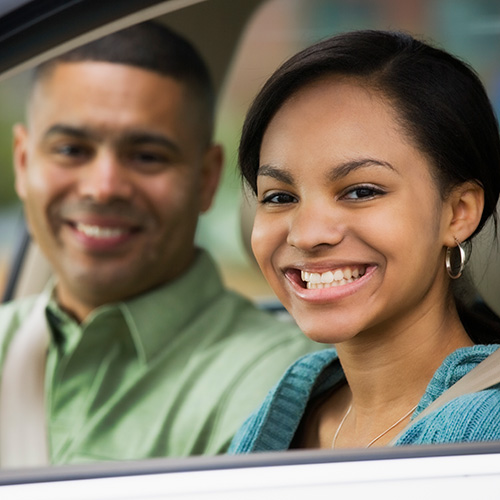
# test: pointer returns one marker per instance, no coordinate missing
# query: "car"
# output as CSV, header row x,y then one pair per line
x,y
243,41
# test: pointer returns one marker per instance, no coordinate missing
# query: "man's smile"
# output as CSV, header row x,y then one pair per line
x,y
101,232
106,235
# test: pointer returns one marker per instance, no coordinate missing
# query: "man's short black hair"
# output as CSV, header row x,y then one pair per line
x,y
151,46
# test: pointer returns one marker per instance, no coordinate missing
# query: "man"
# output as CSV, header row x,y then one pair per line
x,y
148,355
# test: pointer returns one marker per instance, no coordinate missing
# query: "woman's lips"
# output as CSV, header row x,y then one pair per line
x,y
329,284
327,278
334,277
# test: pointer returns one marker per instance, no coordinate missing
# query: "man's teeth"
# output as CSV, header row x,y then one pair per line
x,y
100,232
332,278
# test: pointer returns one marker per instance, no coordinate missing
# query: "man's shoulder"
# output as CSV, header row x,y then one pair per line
x,y
249,321
262,314
229,310
12,314
15,311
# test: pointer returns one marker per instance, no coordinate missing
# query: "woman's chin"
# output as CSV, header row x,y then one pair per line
x,y
329,335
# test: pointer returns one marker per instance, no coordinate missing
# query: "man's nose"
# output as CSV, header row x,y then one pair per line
x,y
314,225
105,179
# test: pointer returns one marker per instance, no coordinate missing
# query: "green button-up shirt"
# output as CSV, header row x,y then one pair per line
x,y
173,372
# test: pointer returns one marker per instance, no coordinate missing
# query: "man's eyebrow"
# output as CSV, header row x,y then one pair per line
x,y
275,173
77,132
131,137
340,171
138,138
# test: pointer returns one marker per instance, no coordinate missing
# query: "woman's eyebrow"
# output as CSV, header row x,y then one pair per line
x,y
275,173
340,171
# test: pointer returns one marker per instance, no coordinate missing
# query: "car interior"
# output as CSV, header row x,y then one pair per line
x,y
242,42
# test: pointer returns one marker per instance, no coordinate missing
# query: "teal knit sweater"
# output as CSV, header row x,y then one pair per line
x,y
473,417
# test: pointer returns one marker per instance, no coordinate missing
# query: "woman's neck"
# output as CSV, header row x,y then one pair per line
x,y
396,362
387,373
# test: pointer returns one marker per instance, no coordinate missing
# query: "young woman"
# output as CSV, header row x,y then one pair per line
x,y
375,159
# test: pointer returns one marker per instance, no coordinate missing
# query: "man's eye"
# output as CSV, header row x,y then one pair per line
x,y
362,193
70,150
149,157
150,160
278,199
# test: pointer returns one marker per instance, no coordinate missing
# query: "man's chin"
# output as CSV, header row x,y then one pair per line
x,y
98,288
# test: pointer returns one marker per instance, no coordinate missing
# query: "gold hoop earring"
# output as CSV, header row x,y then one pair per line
x,y
449,267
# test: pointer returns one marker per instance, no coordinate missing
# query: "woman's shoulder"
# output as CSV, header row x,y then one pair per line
x,y
470,417
272,426
463,360
467,418
455,366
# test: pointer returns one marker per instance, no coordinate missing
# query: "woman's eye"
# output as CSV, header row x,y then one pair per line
x,y
279,198
362,193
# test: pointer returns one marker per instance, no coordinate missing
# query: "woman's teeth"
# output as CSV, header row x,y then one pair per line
x,y
332,278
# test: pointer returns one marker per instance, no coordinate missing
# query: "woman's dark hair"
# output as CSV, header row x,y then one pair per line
x,y
441,103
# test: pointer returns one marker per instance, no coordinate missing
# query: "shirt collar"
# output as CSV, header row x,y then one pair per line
x,y
155,318
158,317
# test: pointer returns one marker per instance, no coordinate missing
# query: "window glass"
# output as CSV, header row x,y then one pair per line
x,y
469,29
12,100
279,28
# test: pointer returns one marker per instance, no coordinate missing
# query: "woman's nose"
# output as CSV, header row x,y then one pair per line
x,y
314,225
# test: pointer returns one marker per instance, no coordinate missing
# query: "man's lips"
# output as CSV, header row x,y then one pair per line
x,y
101,227
102,231
86,214
102,236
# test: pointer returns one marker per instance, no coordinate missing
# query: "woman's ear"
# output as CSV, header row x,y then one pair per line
x,y
466,203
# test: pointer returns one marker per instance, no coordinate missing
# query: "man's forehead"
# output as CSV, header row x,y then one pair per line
x,y
67,87
77,84
58,71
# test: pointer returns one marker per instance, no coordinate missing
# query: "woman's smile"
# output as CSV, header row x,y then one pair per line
x,y
335,277
330,285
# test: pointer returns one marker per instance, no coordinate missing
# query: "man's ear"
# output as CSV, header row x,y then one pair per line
x,y
20,153
210,175
466,203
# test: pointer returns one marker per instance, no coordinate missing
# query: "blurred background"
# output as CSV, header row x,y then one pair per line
x,y
469,29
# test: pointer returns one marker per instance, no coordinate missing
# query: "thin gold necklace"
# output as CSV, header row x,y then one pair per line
x,y
334,440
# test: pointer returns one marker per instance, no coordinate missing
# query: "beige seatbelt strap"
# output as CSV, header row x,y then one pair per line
x,y
484,375
23,434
